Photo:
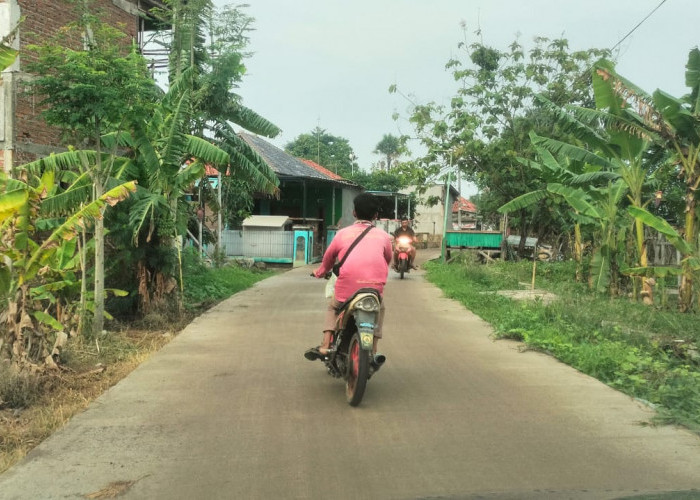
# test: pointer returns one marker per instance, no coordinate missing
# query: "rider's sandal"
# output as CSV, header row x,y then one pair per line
x,y
315,353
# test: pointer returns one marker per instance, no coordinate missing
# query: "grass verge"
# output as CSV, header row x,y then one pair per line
x,y
32,407
649,353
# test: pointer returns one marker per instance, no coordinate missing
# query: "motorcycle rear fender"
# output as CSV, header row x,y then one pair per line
x,y
365,322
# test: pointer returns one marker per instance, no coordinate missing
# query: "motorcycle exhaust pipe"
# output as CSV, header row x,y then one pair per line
x,y
378,361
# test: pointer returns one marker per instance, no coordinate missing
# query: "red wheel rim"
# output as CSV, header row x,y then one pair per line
x,y
355,358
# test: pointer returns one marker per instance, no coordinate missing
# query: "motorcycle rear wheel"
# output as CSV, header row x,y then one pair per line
x,y
358,371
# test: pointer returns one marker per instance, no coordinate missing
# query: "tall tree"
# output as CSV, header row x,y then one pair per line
x,y
391,148
328,150
91,82
208,43
487,123
673,123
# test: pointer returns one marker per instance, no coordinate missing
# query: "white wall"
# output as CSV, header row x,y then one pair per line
x,y
429,220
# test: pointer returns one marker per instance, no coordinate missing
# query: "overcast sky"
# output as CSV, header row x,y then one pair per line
x,y
329,63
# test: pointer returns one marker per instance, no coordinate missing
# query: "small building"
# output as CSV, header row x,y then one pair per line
x,y
297,225
463,214
429,220
317,200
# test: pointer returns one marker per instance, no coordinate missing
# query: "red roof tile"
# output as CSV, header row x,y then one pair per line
x,y
321,169
464,204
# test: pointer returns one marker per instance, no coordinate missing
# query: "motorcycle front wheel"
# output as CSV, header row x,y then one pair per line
x,y
358,371
403,267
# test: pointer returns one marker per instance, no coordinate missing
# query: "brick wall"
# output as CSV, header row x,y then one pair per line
x,y
43,18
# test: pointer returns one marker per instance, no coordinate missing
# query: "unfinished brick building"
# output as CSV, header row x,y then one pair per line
x,y
23,135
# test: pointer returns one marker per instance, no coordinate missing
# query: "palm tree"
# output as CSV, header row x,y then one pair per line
x,y
391,147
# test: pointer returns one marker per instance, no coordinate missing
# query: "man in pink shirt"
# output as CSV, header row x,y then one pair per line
x,y
367,266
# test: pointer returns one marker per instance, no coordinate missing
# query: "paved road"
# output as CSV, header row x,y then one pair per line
x,y
231,410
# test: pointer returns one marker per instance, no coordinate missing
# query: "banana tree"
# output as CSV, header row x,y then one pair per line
x,y
601,206
608,140
568,172
167,160
35,267
690,252
672,123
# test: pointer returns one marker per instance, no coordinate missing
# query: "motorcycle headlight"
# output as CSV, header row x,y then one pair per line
x,y
369,304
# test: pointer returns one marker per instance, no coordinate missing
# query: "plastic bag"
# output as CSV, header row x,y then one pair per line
x,y
330,286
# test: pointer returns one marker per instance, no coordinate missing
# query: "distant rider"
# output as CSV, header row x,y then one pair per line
x,y
405,230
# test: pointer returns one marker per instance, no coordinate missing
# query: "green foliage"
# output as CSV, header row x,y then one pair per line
x,y
40,268
207,44
88,92
329,151
639,355
485,128
391,147
205,286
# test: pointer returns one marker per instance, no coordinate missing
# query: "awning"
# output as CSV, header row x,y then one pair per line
x,y
266,221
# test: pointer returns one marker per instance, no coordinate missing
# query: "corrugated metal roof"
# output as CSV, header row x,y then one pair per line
x,y
282,163
266,221
286,165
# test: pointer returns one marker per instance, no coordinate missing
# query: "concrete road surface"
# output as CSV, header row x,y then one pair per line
x,y
231,410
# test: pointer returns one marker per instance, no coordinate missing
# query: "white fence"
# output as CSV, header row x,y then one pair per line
x,y
264,244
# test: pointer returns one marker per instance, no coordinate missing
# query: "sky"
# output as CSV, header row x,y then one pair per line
x,y
330,63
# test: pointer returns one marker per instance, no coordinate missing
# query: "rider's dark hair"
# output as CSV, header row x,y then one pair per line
x,y
366,206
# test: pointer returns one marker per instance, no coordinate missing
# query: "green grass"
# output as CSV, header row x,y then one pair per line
x,y
646,352
205,286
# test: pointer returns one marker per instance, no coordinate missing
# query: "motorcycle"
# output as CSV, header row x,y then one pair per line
x,y
402,249
350,355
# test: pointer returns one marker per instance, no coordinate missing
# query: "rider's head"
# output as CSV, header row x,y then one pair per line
x,y
404,223
366,206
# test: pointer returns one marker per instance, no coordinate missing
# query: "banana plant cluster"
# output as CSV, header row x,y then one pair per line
x,y
612,143
41,268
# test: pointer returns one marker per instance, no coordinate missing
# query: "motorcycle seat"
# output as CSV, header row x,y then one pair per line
x,y
373,291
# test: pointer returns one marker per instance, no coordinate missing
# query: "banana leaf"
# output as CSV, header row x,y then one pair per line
x,y
572,152
11,201
576,198
600,269
663,227
651,271
523,201
7,56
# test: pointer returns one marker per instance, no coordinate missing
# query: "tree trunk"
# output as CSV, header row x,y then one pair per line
x,y
685,293
578,253
98,320
99,298
647,288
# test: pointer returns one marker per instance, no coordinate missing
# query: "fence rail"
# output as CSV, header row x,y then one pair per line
x,y
264,244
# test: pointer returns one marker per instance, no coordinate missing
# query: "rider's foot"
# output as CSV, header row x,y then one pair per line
x,y
316,353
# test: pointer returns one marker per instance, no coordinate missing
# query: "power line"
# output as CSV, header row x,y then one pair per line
x,y
638,25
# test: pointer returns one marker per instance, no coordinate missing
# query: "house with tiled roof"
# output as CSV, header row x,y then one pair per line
x,y
308,191
463,214
313,198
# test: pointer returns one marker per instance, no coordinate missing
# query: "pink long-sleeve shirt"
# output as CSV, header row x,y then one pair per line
x,y
367,266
